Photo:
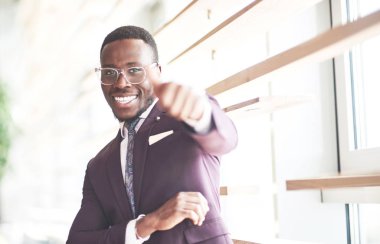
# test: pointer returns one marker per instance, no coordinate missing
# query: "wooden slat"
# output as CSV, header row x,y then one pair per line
x,y
320,48
214,55
172,20
339,181
243,242
242,104
225,16
204,15
238,190
261,16
268,103
216,29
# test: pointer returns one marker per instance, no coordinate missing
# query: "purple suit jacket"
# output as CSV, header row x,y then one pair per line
x,y
182,161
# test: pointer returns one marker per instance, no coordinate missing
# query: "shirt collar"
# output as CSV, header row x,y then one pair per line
x,y
143,116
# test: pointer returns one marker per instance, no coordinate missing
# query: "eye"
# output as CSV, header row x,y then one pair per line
x,y
135,70
109,72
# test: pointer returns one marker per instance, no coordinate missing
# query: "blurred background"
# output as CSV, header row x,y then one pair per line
x,y
58,118
54,118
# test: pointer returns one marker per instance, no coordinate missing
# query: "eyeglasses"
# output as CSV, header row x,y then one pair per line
x,y
133,75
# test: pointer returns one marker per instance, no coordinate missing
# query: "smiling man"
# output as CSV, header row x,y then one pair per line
x,y
157,181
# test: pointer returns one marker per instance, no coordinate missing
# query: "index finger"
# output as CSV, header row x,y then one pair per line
x,y
194,197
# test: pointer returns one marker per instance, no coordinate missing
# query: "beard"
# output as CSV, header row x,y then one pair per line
x,y
149,102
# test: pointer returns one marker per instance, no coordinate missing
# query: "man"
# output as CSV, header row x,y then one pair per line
x,y
160,185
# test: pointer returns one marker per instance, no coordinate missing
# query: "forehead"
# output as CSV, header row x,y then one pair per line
x,y
126,51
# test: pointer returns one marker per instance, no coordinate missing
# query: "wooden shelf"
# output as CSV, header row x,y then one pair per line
x,y
340,181
318,49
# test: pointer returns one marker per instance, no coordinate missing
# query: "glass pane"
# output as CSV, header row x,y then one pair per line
x,y
368,6
365,82
369,223
366,94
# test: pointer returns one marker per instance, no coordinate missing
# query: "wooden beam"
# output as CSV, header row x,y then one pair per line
x,y
238,190
320,48
216,29
340,181
268,103
172,20
243,242
225,16
242,104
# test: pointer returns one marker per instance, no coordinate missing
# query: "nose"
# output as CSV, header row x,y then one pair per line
x,y
121,81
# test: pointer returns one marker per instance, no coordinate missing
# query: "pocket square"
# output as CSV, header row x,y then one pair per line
x,y
155,138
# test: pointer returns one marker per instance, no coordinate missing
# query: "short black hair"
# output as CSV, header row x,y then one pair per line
x,y
132,32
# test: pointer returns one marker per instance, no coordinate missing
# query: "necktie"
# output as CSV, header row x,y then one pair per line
x,y
129,164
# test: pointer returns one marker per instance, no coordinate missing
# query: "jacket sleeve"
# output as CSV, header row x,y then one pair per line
x,y
222,138
90,225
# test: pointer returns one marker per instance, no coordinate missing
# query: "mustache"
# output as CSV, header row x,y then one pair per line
x,y
122,90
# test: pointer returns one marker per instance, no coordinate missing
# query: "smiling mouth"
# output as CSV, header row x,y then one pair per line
x,y
125,100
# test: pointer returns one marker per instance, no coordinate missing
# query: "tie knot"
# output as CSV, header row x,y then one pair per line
x,y
132,124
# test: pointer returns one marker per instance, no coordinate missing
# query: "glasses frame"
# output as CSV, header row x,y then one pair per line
x,y
122,71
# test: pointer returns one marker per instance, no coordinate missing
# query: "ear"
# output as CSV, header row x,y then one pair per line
x,y
155,75
157,71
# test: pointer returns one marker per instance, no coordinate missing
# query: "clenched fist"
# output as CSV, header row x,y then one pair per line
x,y
184,205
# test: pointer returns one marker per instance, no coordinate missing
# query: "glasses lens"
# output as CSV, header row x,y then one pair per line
x,y
107,75
135,75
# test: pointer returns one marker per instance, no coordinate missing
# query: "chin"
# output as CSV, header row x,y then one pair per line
x,y
124,117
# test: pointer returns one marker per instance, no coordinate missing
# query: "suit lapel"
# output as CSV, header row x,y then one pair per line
x,y
116,178
141,151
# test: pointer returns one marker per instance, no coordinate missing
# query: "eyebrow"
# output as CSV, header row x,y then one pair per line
x,y
130,64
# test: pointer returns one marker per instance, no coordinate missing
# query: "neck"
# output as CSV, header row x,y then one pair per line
x,y
136,117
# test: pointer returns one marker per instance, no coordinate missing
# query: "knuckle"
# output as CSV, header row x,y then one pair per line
x,y
165,102
174,111
179,196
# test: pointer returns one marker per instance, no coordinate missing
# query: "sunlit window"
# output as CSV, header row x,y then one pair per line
x,y
364,81
365,99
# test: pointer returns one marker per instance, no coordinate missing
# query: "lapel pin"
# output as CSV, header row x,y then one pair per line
x,y
158,118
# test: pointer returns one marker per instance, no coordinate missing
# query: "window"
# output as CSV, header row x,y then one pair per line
x,y
358,117
365,87
357,93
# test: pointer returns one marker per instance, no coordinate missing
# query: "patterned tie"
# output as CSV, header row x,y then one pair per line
x,y
129,164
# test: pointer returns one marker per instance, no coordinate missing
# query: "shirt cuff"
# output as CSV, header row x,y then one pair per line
x,y
203,125
131,236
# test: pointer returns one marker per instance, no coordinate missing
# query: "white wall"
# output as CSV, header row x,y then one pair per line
x,y
49,49
305,137
291,143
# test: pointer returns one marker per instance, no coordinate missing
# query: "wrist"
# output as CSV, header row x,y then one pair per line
x,y
144,226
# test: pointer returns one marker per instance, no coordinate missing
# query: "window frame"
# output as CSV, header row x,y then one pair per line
x,y
349,156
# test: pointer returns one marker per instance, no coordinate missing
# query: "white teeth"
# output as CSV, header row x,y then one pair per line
x,y
125,99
